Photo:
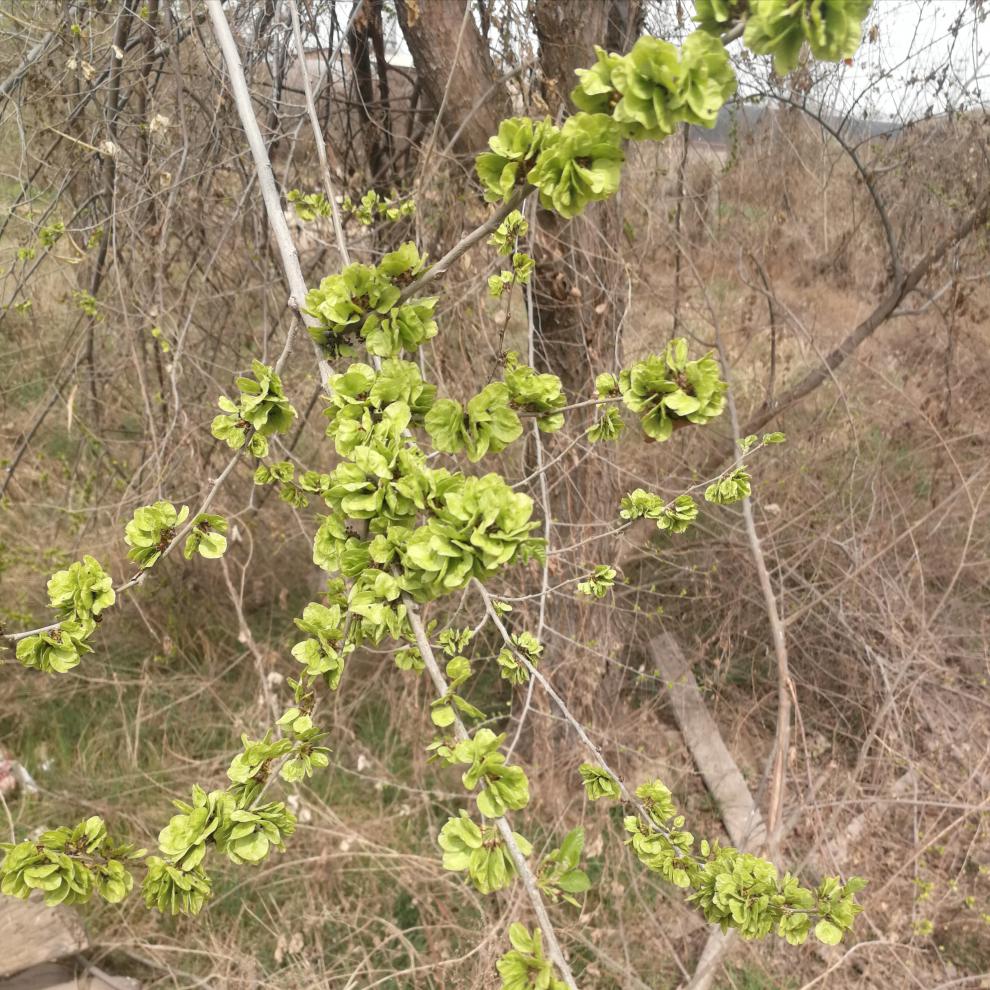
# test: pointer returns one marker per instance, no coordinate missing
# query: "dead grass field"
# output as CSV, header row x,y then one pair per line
x,y
874,518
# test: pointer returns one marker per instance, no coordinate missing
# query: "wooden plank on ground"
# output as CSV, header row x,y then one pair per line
x,y
722,776
97,979
32,934
48,976
719,770
59,976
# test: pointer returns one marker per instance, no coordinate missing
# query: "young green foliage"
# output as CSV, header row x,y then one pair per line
x,y
641,504
262,407
276,472
660,843
717,16
373,206
410,659
513,153
324,653
529,645
598,583
511,668
486,423
442,710
250,769
672,517
539,395
503,787
173,890
731,487
678,516
208,537
608,426
832,29
55,651
522,269
509,232
362,303
185,838
560,876
599,783
307,755
69,865
87,304
151,531
581,165
82,591
399,528
308,206
733,889
248,835
672,391
479,850
655,87
524,966
51,234
479,525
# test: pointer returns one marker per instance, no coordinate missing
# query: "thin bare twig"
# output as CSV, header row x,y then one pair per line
x,y
505,829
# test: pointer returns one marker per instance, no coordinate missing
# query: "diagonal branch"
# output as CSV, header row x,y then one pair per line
x,y
902,288
142,575
467,242
502,824
321,147
32,56
294,276
266,177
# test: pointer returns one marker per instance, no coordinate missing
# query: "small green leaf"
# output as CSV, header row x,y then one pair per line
x,y
599,783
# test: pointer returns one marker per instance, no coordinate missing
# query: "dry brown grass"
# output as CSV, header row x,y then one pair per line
x,y
874,522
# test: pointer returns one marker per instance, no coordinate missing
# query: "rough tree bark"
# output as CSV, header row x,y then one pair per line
x,y
580,284
454,69
361,38
580,302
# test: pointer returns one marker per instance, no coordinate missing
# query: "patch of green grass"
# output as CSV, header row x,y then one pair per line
x,y
108,734
966,948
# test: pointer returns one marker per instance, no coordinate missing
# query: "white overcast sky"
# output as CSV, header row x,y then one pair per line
x,y
912,40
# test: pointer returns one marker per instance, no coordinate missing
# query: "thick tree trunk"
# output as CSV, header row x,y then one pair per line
x,y
360,40
454,69
580,302
580,287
